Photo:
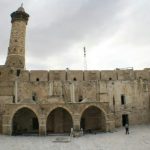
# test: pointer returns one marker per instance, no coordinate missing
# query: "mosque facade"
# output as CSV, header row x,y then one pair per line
x,y
48,102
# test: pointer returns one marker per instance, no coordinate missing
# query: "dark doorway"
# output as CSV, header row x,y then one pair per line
x,y
25,122
125,119
82,123
59,121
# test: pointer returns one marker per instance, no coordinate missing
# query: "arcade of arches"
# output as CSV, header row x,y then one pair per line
x,y
59,121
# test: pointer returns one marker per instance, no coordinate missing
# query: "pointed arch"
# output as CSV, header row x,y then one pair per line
x,y
59,120
24,121
93,119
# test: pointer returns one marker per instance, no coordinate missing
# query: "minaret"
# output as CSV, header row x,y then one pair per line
x,y
16,49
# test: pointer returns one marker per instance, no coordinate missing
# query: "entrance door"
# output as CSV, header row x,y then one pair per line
x,y
125,119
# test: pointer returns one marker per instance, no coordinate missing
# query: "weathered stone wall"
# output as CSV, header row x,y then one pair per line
x,y
64,87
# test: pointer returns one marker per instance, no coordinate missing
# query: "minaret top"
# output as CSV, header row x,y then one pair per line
x,y
21,8
19,15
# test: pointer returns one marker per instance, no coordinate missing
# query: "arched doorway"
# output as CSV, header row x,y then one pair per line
x,y
25,122
93,120
59,121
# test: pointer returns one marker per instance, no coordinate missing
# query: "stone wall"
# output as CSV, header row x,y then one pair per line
x,y
81,87
9,74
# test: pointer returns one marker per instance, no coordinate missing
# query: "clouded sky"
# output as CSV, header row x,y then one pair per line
x,y
116,33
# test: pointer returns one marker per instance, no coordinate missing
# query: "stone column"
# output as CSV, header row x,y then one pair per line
x,y
61,89
76,122
72,90
42,130
6,125
76,125
50,92
42,125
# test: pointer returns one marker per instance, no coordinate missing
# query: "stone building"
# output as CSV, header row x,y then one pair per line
x,y
48,102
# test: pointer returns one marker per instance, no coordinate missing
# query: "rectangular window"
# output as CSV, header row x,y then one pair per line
x,y
34,96
13,98
122,100
18,72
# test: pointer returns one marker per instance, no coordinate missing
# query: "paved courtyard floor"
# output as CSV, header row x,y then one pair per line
x,y
138,139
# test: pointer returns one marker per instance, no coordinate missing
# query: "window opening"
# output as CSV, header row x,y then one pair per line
x,y
18,72
13,98
37,79
74,79
122,100
34,96
80,99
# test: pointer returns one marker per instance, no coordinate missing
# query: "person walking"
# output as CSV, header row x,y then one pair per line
x,y
127,128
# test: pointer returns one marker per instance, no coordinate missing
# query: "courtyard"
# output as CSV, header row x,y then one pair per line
x,y
138,139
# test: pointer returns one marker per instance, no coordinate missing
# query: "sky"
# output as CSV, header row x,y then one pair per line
x,y
116,33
